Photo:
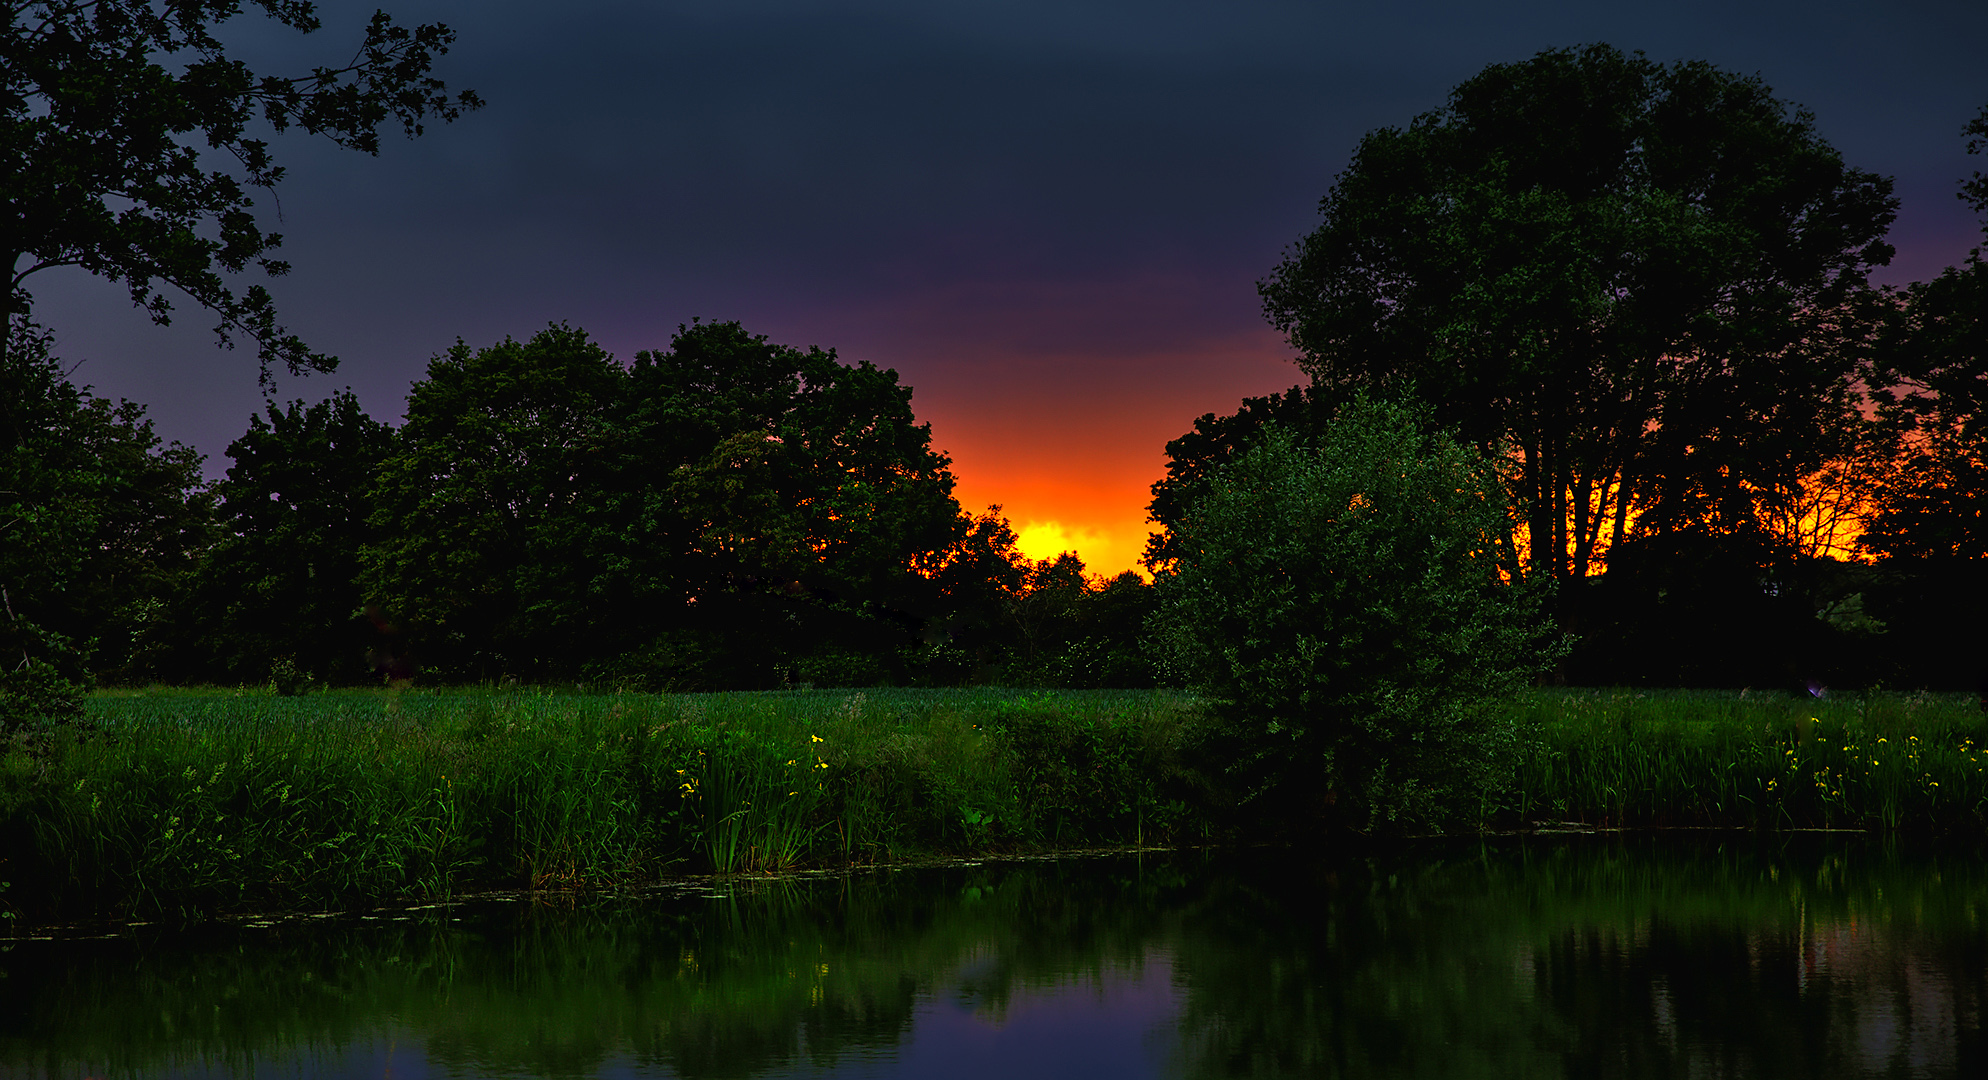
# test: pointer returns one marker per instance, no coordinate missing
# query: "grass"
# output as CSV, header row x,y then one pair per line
x,y
1887,762
192,803
196,802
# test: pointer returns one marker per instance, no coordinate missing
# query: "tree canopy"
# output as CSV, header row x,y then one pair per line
x,y
102,525
718,509
293,513
115,113
1348,606
1642,282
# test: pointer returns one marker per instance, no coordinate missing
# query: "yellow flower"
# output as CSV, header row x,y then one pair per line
x,y
816,738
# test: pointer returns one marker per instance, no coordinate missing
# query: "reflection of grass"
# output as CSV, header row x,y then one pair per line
x,y
225,800
1879,761
1519,957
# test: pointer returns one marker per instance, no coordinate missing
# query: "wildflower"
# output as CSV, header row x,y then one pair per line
x,y
816,738
790,763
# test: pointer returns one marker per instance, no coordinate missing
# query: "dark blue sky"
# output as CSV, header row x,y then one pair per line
x,y
1049,217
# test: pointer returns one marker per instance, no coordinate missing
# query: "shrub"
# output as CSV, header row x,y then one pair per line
x,y
35,693
1350,606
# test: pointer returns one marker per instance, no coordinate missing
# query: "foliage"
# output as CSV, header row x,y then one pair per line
x,y
1647,283
114,113
101,526
711,516
1300,412
1347,606
1889,762
35,693
224,801
1080,631
281,583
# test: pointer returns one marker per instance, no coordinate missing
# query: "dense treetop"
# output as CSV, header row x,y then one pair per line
x,y
1641,279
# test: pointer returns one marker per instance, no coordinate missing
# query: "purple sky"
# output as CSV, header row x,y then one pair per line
x,y
1048,217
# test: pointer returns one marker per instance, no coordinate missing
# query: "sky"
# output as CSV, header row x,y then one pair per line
x,y
1048,217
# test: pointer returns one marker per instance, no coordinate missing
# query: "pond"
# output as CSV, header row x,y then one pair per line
x,y
1715,955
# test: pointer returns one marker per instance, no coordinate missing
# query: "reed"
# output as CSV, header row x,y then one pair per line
x,y
192,803
1890,762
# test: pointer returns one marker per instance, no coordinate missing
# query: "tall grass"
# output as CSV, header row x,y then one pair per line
x,y
180,802
195,803
1892,762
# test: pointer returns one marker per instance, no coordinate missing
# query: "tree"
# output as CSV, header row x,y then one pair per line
x,y
1938,348
101,525
112,116
1644,283
490,537
713,515
1349,609
1300,412
282,582
1928,526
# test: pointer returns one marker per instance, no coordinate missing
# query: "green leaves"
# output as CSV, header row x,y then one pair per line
x,y
723,509
1351,606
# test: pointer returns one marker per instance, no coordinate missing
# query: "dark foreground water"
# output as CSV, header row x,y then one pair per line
x,y
1592,957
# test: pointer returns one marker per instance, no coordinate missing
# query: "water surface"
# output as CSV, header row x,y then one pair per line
x,y
1799,957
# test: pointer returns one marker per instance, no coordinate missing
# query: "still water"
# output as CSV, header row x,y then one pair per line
x,y
1806,956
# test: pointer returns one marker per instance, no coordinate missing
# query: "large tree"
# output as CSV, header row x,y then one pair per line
x,y
714,513
1938,347
1639,282
130,140
282,582
102,525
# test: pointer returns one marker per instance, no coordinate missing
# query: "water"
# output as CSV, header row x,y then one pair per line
x,y
1798,956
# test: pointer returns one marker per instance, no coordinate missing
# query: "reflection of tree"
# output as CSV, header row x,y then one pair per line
x,y
1533,959
1598,961
782,974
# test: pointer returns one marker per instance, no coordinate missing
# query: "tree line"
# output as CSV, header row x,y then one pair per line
x,y
725,513
1638,293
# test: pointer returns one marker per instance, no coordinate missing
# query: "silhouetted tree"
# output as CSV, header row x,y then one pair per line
x,y
113,114
1641,282
282,582
1300,413
717,514
1931,522
101,525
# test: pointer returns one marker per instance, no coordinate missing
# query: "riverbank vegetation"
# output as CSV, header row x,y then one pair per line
x,y
184,803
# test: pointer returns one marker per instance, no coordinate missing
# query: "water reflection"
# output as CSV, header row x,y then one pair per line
x,y
1799,958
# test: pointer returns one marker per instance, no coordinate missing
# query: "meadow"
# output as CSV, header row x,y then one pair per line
x,y
174,802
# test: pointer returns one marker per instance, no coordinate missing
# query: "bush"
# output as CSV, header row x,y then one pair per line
x,y
1350,607
35,693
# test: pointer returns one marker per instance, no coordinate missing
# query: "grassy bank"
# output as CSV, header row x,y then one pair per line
x,y
196,802
1888,762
